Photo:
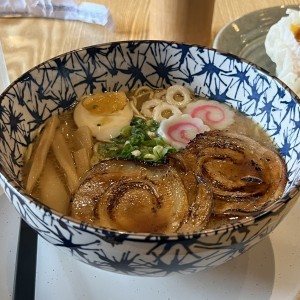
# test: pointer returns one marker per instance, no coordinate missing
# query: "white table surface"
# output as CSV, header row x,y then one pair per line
x,y
270,270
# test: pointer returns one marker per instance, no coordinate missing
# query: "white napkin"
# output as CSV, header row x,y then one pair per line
x,y
57,9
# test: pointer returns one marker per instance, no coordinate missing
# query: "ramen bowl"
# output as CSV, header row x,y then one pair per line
x,y
55,85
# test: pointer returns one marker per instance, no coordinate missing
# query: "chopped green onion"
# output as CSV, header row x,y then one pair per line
x,y
136,152
149,156
139,140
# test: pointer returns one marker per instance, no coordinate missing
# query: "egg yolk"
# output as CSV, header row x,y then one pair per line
x,y
105,103
295,28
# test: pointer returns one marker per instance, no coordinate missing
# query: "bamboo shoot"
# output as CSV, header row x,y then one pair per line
x,y
41,153
53,192
64,157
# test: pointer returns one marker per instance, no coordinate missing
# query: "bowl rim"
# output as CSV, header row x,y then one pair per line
x,y
169,42
277,205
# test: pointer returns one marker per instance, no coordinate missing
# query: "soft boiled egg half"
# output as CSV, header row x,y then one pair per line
x,y
104,113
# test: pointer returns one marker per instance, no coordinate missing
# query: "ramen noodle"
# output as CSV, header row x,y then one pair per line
x,y
180,162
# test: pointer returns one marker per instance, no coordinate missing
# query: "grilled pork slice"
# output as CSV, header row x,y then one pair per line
x,y
140,197
243,175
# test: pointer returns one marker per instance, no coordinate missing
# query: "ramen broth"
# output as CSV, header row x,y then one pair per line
x,y
241,125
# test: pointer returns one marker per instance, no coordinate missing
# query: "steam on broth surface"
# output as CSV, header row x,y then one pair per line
x,y
182,163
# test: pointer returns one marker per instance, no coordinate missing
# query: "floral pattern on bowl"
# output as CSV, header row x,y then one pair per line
x,y
56,84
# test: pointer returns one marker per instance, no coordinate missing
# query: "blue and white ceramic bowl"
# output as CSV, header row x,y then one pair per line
x,y
53,86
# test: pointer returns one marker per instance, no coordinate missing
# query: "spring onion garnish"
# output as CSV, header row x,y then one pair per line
x,y
138,141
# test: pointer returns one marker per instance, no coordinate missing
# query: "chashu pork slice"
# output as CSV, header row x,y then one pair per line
x,y
243,175
142,197
131,196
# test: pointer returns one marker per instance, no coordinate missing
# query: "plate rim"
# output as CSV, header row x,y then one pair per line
x,y
219,34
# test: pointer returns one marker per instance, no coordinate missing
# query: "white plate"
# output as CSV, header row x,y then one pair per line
x,y
245,36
